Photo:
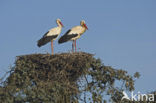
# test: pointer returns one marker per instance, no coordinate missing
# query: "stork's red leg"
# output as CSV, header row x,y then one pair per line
x,y
52,49
75,45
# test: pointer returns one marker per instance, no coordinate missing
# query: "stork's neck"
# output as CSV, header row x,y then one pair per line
x,y
83,27
59,25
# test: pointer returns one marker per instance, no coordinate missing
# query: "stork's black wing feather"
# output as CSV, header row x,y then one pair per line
x,y
45,34
45,39
66,37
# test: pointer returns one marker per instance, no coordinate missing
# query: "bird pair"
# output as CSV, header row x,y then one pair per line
x,y
71,35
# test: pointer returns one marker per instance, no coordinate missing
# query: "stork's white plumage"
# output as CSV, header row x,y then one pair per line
x,y
51,35
73,34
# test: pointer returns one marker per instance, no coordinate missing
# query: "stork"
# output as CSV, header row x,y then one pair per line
x,y
51,35
73,34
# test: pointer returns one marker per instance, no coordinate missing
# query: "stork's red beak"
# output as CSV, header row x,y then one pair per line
x,y
61,24
86,26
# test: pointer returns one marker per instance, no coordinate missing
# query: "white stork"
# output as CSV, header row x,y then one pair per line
x,y
51,35
73,34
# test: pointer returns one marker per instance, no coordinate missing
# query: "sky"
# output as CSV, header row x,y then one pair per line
x,y
122,33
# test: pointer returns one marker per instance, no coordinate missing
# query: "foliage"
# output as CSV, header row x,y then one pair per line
x,y
64,78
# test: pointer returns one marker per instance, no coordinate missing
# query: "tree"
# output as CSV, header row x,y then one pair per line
x,y
64,78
